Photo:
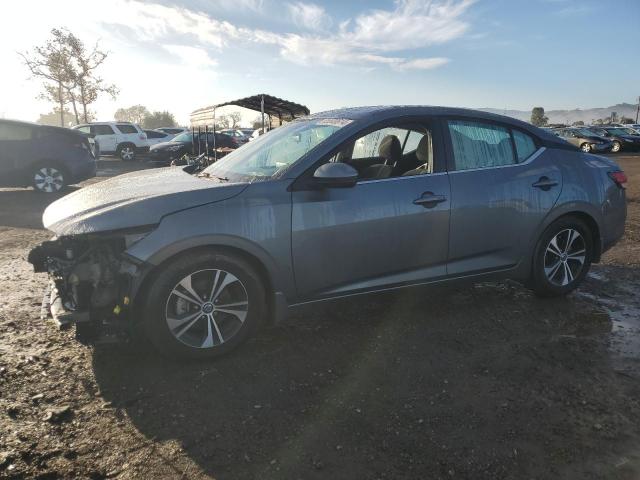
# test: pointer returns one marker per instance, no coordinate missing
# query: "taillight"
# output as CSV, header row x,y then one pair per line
x,y
618,177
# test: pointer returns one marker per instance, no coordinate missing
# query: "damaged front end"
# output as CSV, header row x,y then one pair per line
x,y
92,281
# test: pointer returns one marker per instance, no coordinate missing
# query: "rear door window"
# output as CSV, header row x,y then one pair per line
x,y
126,129
480,145
102,130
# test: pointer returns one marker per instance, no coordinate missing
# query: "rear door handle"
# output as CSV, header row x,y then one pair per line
x,y
545,183
429,200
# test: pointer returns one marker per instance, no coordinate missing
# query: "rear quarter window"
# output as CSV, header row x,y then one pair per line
x,y
16,133
525,145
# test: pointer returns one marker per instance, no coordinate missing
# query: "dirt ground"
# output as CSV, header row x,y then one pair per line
x,y
484,381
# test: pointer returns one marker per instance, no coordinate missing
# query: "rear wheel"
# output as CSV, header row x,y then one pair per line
x,y
127,152
616,147
562,257
585,147
204,305
48,179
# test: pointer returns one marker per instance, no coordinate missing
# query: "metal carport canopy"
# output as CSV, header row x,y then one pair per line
x,y
273,106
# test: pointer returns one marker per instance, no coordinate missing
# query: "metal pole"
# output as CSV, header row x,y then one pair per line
x,y
193,140
262,111
199,140
206,141
215,146
638,110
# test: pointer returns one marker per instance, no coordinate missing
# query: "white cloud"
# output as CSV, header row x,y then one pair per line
x,y
309,16
155,48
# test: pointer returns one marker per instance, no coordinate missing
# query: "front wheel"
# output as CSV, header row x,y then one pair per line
x,y
562,257
616,147
204,305
585,147
48,179
127,153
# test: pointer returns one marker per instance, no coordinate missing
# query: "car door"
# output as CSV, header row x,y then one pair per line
x,y
106,136
503,184
379,233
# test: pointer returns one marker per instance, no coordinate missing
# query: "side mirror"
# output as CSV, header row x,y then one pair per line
x,y
335,175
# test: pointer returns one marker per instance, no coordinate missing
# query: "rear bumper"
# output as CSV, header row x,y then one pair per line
x,y
144,149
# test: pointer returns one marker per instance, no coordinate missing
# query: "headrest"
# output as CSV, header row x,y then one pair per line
x,y
422,152
390,149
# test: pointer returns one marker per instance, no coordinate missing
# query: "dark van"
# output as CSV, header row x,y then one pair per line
x,y
46,158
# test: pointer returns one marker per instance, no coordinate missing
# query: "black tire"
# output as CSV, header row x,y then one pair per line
x,y
200,267
126,152
616,146
544,281
585,147
47,178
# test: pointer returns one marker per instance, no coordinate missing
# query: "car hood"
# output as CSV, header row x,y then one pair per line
x,y
133,200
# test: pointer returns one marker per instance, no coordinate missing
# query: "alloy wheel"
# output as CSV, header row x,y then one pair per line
x,y
586,147
48,179
564,257
127,153
206,308
615,147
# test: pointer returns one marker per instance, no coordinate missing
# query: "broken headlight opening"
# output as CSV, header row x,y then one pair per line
x,y
91,282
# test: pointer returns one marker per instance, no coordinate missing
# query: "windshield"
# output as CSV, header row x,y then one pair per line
x,y
275,151
183,137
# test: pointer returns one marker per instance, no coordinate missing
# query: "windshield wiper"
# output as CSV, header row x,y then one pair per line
x,y
208,175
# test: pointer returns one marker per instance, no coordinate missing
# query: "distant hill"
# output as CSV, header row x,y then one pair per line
x,y
570,116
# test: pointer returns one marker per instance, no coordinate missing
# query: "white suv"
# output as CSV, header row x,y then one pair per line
x,y
124,139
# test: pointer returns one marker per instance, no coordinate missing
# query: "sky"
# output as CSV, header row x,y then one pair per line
x,y
181,55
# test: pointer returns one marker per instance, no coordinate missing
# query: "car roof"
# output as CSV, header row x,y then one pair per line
x,y
37,125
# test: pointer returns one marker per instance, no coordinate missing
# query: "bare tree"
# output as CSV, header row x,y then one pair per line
x,y
51,63
69,72
234,119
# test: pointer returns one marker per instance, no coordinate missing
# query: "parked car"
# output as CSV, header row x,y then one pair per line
x,y
124,139
622,138
238,136
154,137
46,158
173,130
585,139
174,149
336,204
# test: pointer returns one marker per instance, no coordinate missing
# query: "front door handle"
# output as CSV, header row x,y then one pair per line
x,y
429,200
545,183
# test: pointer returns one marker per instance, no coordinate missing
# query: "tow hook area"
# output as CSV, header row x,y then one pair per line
x,y
89,286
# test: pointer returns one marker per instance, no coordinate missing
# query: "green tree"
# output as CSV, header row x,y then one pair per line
x,y
579,123
538,118
133,114
159,119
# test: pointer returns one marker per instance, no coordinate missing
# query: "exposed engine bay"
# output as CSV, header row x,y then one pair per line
x,y
90,283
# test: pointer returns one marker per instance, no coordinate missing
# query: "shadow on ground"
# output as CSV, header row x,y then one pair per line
x,y
486,382
27,206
